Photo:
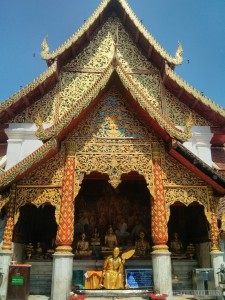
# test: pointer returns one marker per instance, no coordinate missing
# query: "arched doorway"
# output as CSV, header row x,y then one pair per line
x,y
192,227
34,232
100,206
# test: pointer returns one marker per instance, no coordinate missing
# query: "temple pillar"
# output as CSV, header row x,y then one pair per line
x,y
63,258
216,254
6,250
161,257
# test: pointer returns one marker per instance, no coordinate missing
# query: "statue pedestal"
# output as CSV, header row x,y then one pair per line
x,y
62,276
132,294
5,260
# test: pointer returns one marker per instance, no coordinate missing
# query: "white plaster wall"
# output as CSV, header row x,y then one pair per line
x,y
21,142
199,143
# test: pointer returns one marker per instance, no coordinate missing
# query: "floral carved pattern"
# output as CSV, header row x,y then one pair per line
x,y
178,113
176,174
39,196
66,222
113,141
159,224
50,173
45,108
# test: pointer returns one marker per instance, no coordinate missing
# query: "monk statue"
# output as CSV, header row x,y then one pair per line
x,y
95,239
176,245
113,269
83,246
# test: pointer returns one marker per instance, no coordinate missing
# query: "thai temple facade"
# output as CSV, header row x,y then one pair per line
x,y
109,136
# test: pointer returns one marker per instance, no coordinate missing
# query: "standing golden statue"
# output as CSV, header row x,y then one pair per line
x,y
113,269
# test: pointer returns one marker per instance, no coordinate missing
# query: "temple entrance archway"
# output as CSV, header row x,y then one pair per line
x,y
36,227
100,205
190,223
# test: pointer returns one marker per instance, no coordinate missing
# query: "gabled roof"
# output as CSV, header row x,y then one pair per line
x,y
165,127
114,72
208,109
143,39
29,94
28,163
132,24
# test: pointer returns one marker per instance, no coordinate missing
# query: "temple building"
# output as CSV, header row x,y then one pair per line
x,y
108,143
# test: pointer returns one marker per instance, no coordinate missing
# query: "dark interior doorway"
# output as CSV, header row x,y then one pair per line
x,y
189,222
36,226
99,205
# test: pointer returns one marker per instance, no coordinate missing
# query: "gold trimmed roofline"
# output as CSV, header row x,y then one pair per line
x,y
194,92
30,87
28,162
50,56
92,93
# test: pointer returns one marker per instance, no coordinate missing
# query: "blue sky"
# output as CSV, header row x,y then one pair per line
x,y
198,24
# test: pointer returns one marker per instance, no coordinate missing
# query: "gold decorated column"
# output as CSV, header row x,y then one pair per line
x,y
65,231
8,232
214,230
158,211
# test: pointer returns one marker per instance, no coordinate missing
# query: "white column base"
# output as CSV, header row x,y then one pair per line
x,y
162,273
217,261
5,260
62,273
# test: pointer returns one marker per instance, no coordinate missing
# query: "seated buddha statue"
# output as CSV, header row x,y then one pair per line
x,y
83,246
176,245
95,239
142,247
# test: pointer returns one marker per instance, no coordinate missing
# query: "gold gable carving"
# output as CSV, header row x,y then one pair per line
x,y
81,74
177,112
39,196
46,107
112,141
49,173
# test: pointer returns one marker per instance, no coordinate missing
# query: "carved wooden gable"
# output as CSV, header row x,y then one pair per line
x,y
82,72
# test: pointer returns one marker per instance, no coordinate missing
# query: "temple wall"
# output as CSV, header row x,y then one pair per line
x,y
199,143
21,142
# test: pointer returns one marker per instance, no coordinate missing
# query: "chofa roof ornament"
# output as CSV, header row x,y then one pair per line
x,y
45,48
178,55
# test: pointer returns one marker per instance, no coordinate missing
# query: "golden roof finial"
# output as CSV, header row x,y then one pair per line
x,y
45,48
179,52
